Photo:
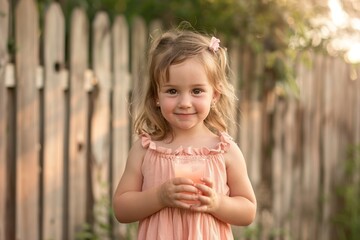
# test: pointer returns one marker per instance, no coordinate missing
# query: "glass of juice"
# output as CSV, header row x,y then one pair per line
x,y
190,166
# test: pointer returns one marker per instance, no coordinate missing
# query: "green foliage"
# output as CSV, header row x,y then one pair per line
x,y
275,29
101,229
347,219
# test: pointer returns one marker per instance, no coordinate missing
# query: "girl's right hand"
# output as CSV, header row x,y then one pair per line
x,y
175,191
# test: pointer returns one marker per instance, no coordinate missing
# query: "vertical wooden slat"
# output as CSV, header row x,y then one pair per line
x,y
4,170
120,123
54,116
79,34
255,139
234,66
244,131
316,140
357,137
294,132
290,142
3,144
244,115
27,133
100,135
338,141
327,145
310,100
278,164
138,53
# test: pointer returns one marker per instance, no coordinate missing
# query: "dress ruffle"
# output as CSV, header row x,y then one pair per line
x,y
221,147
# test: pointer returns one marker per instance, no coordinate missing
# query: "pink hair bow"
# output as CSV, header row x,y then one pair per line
x,y
214,44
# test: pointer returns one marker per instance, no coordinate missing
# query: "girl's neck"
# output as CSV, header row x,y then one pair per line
x,y
194,133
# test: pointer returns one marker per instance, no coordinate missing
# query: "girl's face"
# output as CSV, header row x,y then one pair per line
x,y
185,100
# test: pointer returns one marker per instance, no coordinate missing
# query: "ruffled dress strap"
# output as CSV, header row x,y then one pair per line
x,y
221,147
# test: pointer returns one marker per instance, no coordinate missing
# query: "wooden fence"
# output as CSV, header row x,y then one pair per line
x,y
65,129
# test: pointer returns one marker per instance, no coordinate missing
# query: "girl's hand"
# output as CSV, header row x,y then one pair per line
x,y
175,192
209,199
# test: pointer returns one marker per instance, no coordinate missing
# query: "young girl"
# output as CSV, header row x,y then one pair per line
x,y
183,113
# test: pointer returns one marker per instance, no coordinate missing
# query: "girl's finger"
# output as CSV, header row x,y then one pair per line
x,y
204,189
181,180
187,188
207,181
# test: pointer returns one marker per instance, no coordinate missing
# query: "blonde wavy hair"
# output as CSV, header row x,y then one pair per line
x,y
174,47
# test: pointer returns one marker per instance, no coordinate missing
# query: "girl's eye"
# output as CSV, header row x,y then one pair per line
x,y
197,91
171,91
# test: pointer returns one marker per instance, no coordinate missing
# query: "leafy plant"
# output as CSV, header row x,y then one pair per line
x,y
347,219
101,228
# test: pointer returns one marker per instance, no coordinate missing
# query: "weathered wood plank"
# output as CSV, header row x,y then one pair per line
x,y
244,115
278,164
309,99
5,228
3,157
27,133
357,106
328,146
78,148
54,116
100,126
255,141
290,139
234,56
138,53
120,123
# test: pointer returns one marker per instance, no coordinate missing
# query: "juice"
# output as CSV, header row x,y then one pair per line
x,y
192,167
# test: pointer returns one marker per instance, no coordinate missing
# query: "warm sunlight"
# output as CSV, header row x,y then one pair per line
x,y
348,43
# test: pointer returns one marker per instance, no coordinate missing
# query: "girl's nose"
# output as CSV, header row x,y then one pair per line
x,y
184,101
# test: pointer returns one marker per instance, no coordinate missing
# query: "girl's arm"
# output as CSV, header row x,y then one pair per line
x,y
131,204
240,207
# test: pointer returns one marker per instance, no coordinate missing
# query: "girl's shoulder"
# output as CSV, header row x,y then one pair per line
x,y
222,145
137,147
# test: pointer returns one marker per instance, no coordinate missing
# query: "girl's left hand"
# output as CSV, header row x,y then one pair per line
x,y
209,199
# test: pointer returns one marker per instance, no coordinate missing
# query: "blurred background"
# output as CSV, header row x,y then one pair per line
x,y
67,72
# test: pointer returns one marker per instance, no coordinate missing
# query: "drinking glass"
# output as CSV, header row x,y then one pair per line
x,y
190,166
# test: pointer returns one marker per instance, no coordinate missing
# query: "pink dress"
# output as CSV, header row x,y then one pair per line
x,y
180,224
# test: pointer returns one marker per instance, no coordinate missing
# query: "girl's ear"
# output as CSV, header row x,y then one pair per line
x,y
216,96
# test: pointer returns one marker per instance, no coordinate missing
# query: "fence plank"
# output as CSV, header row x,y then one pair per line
x,y
311,155
27,136
100,126
79,134
357,106
234,55
255,138
54,116
328,146
120,123
290,143
138,51
3,144
278,165
5,228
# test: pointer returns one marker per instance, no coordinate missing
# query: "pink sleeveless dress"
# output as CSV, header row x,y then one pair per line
x,y
180,224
